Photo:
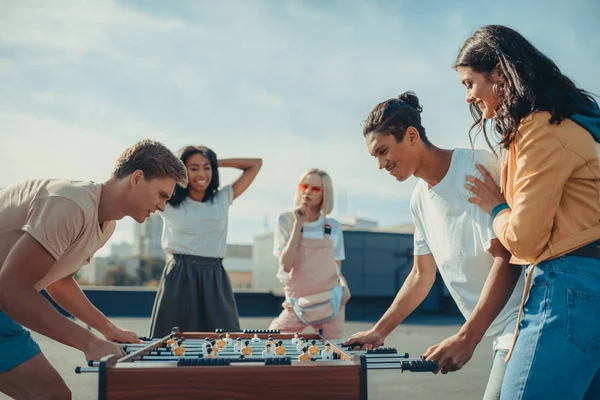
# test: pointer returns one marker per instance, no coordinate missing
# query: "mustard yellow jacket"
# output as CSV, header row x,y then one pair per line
x,y
551,181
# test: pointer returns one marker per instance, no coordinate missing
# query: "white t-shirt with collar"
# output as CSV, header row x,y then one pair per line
x,y
458,234
198,228
310,230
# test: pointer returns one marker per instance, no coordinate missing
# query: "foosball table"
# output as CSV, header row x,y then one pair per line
x,y
178,366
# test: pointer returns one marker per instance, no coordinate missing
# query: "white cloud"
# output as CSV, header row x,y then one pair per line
x,y
37,146
7,67
43,97
73,26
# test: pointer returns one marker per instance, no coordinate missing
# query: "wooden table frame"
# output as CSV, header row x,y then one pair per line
x,y
344,378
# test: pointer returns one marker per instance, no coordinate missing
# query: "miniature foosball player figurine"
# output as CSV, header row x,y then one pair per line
x,y
270,340
246,350
228,339
179,350
255,339
327,352
237,347
206,343
171,340
215,348
313,350
210,353
221,343
279,349
304,357
301,344
295,339
268,352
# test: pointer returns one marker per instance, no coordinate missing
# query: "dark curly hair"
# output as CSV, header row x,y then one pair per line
x,y
394,116
182,192
529,81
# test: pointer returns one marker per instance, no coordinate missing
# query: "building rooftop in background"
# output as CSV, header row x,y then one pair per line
x,y
239,251
401,228
354,222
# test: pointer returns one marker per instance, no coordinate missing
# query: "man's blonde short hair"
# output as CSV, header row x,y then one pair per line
x,y
327,203
154,159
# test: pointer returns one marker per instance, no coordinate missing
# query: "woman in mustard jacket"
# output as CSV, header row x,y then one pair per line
x,y
547,210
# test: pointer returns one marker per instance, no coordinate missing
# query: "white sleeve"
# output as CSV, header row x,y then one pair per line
x,y
482,220
340,253
227,194
282,233
420,244
484,225
420,247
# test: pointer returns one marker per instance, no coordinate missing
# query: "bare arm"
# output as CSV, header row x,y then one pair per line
x,y
412,293
498,288
453,353
288,254
414,290
25,265
250,166
67,293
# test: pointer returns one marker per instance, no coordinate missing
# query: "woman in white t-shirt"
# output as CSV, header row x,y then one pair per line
x,y
195,292
310,249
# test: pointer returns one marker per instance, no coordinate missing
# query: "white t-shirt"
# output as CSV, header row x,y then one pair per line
x,y
61,215
311,230
458,234
198,228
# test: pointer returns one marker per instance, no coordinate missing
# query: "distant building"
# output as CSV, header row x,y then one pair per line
x,y
121,250
265,264
357,223
402,228
147,238
95,272
238,264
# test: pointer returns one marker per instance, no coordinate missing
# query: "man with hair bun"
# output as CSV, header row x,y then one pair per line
x,y
450,233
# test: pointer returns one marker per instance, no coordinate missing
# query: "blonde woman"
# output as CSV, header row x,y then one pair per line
x,y
310,249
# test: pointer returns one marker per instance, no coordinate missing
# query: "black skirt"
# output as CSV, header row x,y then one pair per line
x,y
194,294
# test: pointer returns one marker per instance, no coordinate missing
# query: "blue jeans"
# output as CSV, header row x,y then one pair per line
x,y
557,354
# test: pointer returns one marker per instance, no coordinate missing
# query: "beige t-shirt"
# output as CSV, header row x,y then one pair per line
x,y
61,215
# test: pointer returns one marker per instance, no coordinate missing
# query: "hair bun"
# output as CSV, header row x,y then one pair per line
x,y
411,99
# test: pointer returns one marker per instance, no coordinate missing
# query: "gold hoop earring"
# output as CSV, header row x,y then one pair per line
x,y
497,90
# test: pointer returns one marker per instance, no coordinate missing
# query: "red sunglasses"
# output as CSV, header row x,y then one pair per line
x,y
313,189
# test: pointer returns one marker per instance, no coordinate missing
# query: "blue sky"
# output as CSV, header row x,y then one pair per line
x,y
288,81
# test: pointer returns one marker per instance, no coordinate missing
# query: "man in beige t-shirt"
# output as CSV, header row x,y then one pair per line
x,y
49,229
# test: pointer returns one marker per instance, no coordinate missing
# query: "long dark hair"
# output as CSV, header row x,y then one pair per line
x,y
394,116
529,81
213,187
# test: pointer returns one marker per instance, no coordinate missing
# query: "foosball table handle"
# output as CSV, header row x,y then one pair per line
x,y
189,362
383,350
276,331
420,366
350,347
278,361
